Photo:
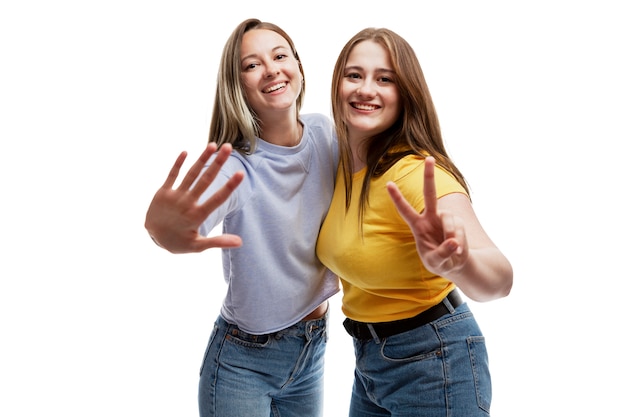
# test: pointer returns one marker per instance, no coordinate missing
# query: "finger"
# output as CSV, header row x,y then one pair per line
x,y
197,167
407,212
173,174
222,194
222,241
453,229
448,225
430,190
436,259
211,171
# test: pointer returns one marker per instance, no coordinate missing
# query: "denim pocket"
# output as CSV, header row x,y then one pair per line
x,y
480,368
414,345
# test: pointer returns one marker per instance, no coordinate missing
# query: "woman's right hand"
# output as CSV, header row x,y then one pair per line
x,y
443,232
174,215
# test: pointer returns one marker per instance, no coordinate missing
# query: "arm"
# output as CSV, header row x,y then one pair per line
x,y
174,215
452,243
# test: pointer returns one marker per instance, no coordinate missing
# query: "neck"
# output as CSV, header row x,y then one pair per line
x,y
358,154
282,131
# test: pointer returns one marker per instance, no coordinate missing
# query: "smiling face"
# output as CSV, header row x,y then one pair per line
x,y
270,72
369,95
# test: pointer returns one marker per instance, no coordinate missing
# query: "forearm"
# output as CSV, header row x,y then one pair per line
x,y
487,275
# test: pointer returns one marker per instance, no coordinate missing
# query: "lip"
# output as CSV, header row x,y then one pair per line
x,y
364,107
275,87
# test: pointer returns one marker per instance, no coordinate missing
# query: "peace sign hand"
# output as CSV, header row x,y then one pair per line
x,y
439,236
174,215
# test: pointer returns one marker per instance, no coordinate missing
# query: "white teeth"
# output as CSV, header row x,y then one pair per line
x,y
364,107
274,87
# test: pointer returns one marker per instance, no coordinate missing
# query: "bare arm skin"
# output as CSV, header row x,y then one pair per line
x,y
452,243
174,215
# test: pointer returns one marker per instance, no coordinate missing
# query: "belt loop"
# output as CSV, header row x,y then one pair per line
x,y
373,332
448,305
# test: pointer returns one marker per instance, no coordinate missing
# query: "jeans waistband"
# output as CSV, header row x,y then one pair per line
x,y
367,331
300,328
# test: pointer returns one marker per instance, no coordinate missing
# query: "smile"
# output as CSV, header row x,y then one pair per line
x,y
275,87
368,107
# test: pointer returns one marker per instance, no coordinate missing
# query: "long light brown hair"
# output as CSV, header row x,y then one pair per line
x,y
417,129
233,120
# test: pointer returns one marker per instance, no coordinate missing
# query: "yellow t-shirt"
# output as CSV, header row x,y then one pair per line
x,y
382,275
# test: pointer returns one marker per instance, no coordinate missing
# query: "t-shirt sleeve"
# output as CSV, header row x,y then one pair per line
x,y
410,181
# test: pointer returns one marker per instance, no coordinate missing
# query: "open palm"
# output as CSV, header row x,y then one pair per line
x,y
174,215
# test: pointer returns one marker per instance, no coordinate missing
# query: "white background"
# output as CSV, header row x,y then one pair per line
x,y
98,98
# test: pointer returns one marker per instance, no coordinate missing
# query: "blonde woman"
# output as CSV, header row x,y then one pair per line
x,y
265,356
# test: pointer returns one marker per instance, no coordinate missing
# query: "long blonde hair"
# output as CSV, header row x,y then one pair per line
x,y
233,121
417,129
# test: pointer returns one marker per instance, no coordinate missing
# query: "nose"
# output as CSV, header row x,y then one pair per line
x,y
366,89
271,70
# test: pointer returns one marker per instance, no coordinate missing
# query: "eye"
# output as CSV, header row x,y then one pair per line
x,y
281,56
249,66
385,79
353,75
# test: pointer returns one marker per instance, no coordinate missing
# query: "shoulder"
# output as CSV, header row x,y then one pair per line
x,y
409,172
238,161
315,118
412,165
408,166
321,129
317,123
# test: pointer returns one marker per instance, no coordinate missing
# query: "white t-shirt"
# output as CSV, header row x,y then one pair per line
x,y
275,278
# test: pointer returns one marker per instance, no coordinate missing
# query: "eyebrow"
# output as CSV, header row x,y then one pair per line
x,y
274,49
359,68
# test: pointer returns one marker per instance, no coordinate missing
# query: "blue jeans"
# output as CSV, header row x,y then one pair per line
x,y
279,374
440,369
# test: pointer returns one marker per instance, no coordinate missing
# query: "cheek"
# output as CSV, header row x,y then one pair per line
x,y
397,111
344,92
246,84
393,102
300,81
299,73
301,84
249,80
344,102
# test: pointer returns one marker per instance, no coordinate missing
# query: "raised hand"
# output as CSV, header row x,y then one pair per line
x,y
174,215
439,236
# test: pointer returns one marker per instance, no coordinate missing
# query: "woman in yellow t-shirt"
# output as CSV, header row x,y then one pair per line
x,y
402,236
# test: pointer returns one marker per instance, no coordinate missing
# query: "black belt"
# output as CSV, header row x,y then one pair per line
x,y
361,330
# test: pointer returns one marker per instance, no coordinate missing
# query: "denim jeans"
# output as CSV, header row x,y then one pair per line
x,y
440,369
280,374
